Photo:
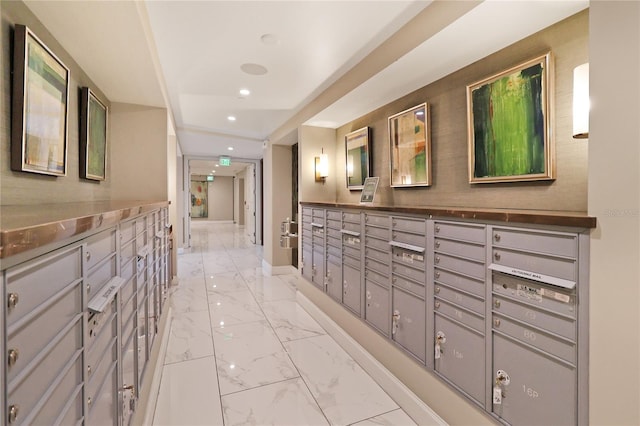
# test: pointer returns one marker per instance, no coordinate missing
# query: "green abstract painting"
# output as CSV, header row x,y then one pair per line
x,y
508,125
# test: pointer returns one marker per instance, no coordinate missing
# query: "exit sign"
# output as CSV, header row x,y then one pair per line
x,y
225,161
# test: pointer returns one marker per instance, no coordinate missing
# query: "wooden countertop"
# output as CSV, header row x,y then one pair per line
x,y
534,217
27,227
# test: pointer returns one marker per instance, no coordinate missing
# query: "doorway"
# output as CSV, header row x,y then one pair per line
x,y
244,172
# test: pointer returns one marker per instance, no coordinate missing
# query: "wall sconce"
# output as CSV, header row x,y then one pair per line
x,y
581,102
322,167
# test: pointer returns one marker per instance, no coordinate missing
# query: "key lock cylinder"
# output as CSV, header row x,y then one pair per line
x,y
395,321
501,382
440,340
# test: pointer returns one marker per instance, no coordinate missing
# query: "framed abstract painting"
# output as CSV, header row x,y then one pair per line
x,y
358,157
93,136
410,147
509,130
40,106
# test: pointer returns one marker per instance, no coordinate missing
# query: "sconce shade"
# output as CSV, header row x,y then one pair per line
x,y
322,167
581,101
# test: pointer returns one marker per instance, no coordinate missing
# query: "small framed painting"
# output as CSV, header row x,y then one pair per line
x,y
93,136
509,134
358,149
39,107
410,147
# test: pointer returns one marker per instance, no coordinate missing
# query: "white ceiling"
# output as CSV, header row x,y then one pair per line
x,y
186,55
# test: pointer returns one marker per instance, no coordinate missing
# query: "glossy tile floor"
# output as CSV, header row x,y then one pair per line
x,y
241,351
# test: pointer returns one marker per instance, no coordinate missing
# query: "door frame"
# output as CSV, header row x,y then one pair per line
x,y
186,170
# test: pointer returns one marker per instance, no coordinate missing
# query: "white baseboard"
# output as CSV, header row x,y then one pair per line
x,y
269,270
420,412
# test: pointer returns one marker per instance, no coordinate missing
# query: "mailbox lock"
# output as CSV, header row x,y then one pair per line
x,y
496,322
502,378
440,340
13,413
437,274
88,256
12,357
496,256
437,290
88,288
437,305
496,237
437,229
437,244
437,259
496,303
12,300
89,401
88,369
395,319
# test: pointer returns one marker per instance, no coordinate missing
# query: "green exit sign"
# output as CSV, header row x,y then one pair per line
x,y
225,161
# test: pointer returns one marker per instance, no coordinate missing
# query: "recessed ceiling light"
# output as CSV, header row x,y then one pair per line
x,y
245,92
230,148
253,69
231,118
217,165
213,171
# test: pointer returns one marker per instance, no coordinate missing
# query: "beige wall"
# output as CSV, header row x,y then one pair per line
x,y
277,207
312,141
139,149
568,42
614,198
221,198
32,188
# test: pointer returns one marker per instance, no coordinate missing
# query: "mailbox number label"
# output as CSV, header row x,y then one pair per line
x,y
531,393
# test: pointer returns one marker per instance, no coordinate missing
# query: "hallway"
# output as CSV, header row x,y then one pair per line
x,y
243,351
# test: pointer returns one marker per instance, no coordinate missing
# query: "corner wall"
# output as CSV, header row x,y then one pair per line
x,y
277,184
614,198
139,151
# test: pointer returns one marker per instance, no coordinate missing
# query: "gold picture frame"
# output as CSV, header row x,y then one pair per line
x,y
410,147
509,124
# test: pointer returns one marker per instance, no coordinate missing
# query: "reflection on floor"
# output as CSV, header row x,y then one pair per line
x,y
242,351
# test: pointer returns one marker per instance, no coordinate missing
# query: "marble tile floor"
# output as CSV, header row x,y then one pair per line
x,y
242,351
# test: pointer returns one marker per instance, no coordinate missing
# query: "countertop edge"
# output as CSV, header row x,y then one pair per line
x,y
16,240
534,217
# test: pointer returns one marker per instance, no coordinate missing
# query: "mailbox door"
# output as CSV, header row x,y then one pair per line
x,y
377,307
541,391
461,359
352,289
334,280
410,329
